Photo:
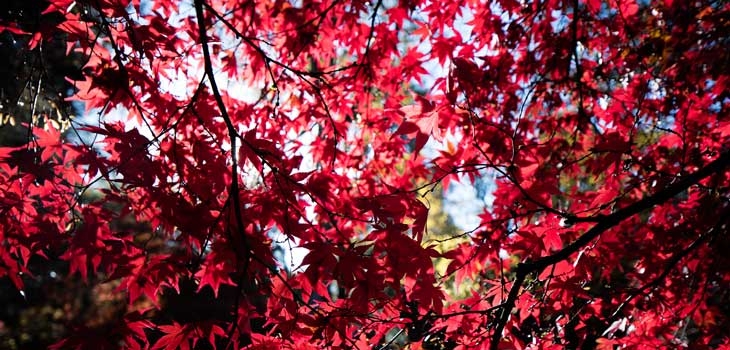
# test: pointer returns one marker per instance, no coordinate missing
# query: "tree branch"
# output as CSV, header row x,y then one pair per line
x,y
233,135
609,221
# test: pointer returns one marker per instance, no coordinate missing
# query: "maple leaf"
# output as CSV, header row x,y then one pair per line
x,y
280,148
215,271
12,28
177,336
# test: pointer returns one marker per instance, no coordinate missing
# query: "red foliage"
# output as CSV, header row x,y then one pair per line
x,y
604,123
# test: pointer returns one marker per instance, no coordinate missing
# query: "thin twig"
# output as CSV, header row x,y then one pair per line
x,y
608,222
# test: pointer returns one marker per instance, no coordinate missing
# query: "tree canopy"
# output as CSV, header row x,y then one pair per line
x,y
263,168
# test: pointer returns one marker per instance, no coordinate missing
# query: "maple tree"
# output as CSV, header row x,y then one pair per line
x,y
250,126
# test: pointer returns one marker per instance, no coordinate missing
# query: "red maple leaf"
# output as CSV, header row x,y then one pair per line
x,y
280,148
